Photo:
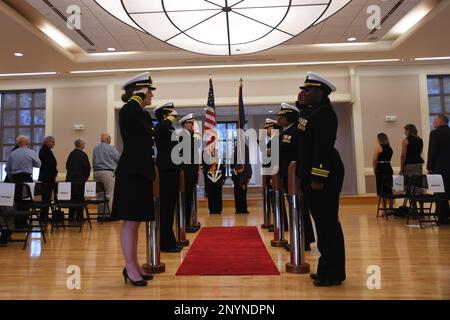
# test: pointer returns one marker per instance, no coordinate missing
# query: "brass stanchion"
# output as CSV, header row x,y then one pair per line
x,y
297,230
154,264
181,214
278,230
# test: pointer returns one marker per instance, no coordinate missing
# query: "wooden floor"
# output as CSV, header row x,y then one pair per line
x,y
414,264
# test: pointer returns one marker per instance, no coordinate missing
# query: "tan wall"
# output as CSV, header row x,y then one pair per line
x,y
399,91
77,105
388,95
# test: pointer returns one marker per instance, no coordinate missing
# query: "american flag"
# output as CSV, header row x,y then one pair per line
x,y
210,117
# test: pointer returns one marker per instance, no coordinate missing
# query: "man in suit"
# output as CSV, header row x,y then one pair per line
x,y
48,172
78,170
169,173
439,161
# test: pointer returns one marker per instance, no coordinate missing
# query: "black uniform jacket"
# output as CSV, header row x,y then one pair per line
x,y
288,149
136,128
48,171
317,157
164,146
78,166
439,150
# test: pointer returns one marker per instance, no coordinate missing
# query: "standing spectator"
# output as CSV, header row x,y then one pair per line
x,y
48,172
382,167
78,170
19,168
105,158
439,161
411,159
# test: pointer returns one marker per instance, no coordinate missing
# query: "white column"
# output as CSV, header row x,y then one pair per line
x,y
357,131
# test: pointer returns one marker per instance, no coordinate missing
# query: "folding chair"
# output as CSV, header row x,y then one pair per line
x,y
37,204
28,202
10,212
388,194
100,198
424,211
75,202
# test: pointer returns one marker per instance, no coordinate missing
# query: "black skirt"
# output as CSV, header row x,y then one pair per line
x,y
133,199
383,174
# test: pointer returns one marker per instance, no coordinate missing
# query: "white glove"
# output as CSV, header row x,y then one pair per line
x,y
174,113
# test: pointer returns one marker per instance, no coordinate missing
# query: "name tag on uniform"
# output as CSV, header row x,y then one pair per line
x,y
302,124
286,138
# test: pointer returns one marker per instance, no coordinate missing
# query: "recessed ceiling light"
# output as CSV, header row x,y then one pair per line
x,y
351,39
270,111
18,54
111,49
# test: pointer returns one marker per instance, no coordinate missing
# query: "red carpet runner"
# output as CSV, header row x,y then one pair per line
x,y
228,251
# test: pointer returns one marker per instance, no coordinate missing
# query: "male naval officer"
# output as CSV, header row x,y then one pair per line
x,y
190,169
321,171
168,173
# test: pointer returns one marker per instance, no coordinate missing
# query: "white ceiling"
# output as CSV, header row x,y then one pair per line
x,y
106,31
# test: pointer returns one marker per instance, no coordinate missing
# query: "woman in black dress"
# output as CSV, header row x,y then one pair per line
x,y
133,190
411,160
382,166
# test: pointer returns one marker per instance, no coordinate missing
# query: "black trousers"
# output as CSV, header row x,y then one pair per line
x,y
214,191
47,190
324,207
168,188
309,231
190,186
240,198
442,208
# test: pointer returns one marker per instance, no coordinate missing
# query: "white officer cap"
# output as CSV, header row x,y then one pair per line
x,y
140,80
270,123
317,81
168,106
189,117
286,109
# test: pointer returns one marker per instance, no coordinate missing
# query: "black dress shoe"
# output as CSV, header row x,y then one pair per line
x,y
324,283
126,278
176,249
314,276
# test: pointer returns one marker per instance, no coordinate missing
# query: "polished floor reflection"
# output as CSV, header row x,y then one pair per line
x,y
414,264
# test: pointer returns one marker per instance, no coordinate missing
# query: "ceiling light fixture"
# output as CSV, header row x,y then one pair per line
x,y
111,49
226,66
432,58
409,20
219,27
351,39
57,36
18,54
4,75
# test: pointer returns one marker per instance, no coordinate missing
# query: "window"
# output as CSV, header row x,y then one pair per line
x,y
22,113
228,137
438,96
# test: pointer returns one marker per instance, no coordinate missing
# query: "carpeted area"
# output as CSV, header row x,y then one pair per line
x,y
228,251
